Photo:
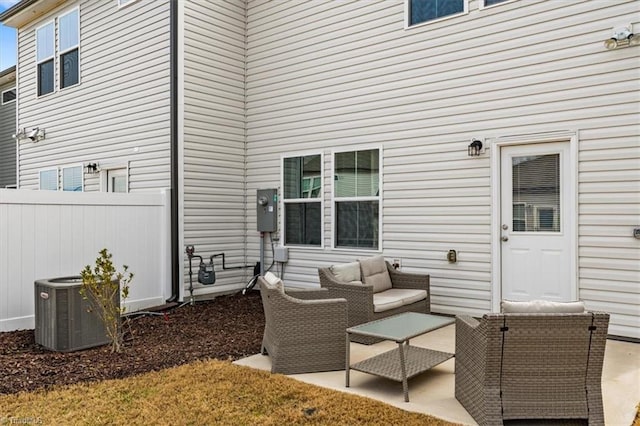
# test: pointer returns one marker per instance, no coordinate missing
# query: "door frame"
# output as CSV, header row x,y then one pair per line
x,y
496,145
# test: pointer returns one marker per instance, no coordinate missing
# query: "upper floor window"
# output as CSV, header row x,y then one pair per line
x,y
428,10
302,198
8,96
356,197
122,3
68,48
66,51
45,57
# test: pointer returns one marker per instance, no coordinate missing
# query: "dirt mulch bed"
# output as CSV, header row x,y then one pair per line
x,y
229,327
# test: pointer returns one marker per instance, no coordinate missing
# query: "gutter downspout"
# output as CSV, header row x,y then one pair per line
x,y
173,100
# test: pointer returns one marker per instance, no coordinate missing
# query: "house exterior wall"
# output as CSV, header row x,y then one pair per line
x,y
7,143
213,136
118,114
327,75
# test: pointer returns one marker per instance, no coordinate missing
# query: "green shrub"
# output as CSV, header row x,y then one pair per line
x,y
101,286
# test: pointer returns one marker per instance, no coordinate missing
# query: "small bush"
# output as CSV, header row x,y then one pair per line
x,y
100,286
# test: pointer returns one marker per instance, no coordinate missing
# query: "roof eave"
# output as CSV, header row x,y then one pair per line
x,y
26,11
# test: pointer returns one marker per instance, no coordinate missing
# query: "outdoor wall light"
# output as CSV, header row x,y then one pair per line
x,y
622,37
36,134
91,168
475,148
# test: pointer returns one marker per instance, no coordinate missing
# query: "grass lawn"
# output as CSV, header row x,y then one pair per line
x,y
201,393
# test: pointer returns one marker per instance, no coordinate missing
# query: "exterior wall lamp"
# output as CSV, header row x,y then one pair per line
x,y
475,148
35,135
622,37
91,168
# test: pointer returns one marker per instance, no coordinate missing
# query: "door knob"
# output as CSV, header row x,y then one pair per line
x,y
504,238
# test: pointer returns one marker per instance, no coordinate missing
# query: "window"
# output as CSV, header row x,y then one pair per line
x,y
68,43
45,51
8,96
49,179
356,197
302,189
486,3
72,178
123,3
67,51
429,10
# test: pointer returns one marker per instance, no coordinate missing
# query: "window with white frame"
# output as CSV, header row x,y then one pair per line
x,y
122,3
49,179
8,96
356,199
45,57
487,3
68,48
302,199
65,49
420,11
72,178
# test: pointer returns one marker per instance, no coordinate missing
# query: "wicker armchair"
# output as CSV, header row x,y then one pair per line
x,y
360,297
303,336
531,366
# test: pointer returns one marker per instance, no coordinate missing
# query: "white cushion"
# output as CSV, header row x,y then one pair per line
x,y
382,303
273,280
374,271
541,306
346,272
396,297
355,282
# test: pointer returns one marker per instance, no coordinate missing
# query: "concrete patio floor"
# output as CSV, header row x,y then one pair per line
x,y
433,392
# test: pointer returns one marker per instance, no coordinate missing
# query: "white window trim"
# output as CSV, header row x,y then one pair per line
x,y
46,59
483,6
59,53
48,169
379,198
407,15
2,102
299,200
125,3
61,177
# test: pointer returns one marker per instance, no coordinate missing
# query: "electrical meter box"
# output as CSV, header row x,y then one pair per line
x,y
267,210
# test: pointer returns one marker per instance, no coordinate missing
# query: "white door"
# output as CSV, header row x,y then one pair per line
x,y
117,180
536,237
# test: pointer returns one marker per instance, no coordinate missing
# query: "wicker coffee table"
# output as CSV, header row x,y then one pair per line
x,y
405,361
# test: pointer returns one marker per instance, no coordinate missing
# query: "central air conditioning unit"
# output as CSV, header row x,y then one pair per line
x,y
63,319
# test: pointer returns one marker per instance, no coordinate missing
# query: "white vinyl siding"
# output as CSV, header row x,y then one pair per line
x,y
214,152
329,74
125,59
7,143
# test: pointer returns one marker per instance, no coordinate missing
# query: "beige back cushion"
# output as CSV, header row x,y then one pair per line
x,y
346,272
274,281
541,307
374,271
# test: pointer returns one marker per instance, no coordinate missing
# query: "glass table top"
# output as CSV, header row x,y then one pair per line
x,y
401,327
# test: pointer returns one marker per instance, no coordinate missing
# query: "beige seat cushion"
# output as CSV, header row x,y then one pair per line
x,y
346,272
396,297
541,307
374,271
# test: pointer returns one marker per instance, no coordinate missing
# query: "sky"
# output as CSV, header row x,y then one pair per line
x,y
7,39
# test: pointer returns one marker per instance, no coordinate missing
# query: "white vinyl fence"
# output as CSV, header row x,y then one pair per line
x,y
47,234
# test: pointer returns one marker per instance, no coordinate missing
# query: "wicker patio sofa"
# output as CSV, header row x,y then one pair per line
x,y
531,366
304,330
370,296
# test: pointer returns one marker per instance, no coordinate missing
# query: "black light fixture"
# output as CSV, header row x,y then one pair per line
x,y
91,168
475,148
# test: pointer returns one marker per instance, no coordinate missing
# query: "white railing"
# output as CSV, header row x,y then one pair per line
x,y
46,234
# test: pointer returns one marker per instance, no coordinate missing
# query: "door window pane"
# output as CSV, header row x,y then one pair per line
x,y
536,193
